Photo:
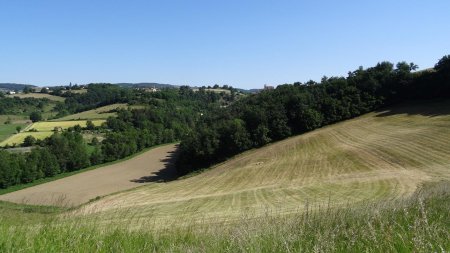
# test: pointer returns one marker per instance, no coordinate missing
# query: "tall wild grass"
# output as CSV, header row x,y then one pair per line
x,y
419,223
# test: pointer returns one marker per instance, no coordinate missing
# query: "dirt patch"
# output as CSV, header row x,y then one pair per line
x,y
155,165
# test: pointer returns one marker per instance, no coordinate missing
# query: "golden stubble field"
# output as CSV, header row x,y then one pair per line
x,y
99,113
382,155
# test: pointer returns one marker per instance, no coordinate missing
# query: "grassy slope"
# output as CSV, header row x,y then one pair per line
x,y
98,113
381,155
415,224
38,95
8,130
14,119
278,198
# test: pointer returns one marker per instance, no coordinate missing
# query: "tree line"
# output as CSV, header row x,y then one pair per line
x,y
16,105
297,108
166,116
215,126
62,152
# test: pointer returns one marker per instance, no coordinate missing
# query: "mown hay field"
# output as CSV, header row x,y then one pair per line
x,y
418,223
44,129
379,156
43,126
18,139
99,113
103,112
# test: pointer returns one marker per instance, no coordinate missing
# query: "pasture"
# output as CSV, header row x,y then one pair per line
x,y
17,139
14,119
38,95
103,112
6,130
43,126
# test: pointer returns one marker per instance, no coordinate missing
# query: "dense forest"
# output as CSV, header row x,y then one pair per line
x,y
293,109
211,126
18,106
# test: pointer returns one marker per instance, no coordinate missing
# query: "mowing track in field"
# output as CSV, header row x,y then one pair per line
x,y
377,156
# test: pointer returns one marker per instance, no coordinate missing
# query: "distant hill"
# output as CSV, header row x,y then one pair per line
x,y
14,86
249,91
162,85
146,85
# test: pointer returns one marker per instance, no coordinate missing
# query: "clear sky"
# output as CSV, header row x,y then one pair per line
x,y
242,43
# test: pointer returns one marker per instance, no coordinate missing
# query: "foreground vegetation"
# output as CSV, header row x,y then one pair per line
x,y
418,223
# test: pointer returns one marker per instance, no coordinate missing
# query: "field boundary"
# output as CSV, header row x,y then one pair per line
x,y
68,174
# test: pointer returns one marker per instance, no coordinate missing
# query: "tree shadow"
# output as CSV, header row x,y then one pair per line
x,y
429,108
166,174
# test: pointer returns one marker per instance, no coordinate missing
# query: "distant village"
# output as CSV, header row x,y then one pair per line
x,y
82,88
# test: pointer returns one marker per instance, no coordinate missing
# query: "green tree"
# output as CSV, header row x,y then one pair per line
x,y
90,125
443,64
77,128
29,141
95,141
27,89
35,116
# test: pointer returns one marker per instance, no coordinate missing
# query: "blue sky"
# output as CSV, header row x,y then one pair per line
x,y
242,43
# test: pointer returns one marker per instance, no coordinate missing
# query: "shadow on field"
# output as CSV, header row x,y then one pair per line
x,y
167,173
429,108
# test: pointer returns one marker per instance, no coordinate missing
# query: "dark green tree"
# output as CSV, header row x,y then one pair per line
x,y
29,141
35,116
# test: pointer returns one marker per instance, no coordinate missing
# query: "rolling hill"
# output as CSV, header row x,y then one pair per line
x,y
98,113
14,86
146,85
38,95
379,181
379,156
